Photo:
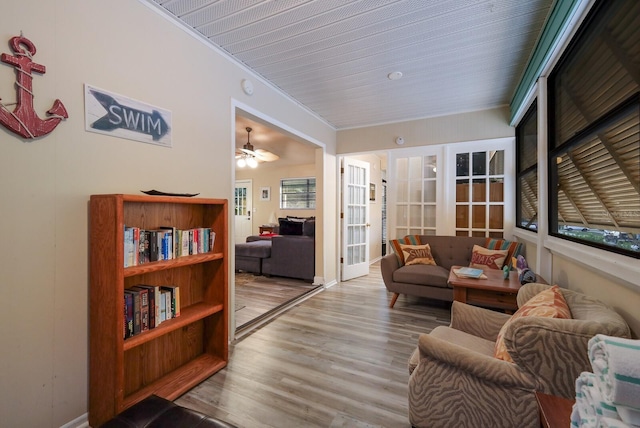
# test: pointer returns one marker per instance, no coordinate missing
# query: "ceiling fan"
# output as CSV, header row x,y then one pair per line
x,y
248,156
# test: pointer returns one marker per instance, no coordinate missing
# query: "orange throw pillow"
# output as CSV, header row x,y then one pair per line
x,y
417,255
548,304
482,258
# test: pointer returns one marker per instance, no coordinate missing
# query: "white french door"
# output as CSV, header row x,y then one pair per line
x,y
355,221
482,188
242,210
415,196
462,189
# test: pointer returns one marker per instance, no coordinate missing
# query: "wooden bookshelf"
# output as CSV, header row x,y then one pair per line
x,y
179,353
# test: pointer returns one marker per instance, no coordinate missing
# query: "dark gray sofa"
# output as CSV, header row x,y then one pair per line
x,y
427,280
291,256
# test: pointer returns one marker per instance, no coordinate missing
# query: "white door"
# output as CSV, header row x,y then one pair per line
x,y
483,198
243,207
355,219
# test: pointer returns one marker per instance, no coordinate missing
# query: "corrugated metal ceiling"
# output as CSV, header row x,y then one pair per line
x,y
333,56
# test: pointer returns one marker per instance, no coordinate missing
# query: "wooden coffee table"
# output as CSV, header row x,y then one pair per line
x,y
493,292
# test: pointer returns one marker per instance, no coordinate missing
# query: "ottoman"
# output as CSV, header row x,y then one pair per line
x,y
156,412
249,255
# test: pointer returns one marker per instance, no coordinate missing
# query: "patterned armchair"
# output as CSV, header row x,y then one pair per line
x,y
456,380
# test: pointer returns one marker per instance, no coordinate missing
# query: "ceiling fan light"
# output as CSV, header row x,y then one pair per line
x,y
241,163
252,162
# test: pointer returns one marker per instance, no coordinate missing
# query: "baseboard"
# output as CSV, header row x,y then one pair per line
x,y
330,284
79,422
318,280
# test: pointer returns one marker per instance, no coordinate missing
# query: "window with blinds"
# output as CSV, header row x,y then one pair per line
x,y
298,193
594,146
527,170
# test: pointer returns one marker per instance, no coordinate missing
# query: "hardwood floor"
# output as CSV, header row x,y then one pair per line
x,y
338,359
257,295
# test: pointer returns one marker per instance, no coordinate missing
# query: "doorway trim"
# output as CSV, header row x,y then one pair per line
x,y
236,105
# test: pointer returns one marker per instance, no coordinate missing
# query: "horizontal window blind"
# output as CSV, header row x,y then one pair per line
x,y
298,193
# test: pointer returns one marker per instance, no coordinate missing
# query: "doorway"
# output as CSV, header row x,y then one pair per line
x,y
243,199
255,297
357,193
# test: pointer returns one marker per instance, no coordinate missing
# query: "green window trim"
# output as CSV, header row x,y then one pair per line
x,y
561,14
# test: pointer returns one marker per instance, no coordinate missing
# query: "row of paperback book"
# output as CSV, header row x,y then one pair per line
x,y
147,306
165,243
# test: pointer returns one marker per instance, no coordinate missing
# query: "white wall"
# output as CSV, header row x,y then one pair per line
x,y
472,126
268,175
125,47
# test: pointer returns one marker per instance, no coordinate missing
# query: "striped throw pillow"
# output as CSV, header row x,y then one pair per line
x,y
396,246
513,248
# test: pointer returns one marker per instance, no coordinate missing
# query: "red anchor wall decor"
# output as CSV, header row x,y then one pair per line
x,y
24,120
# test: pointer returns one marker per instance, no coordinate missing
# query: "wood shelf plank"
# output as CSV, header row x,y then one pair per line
x,y
171,264
189,315
179,381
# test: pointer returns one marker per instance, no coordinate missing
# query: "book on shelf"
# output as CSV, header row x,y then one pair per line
x,y
174,302
137,325
467,272
167,303
147,306
163,306
151,315
143,247
128,314
184,242
144,307
165,243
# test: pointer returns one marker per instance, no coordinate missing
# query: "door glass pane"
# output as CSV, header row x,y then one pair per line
x,y
403,191
429,167
402,166
479,163
429,219
462,216
241,201
496,213
496,190
415,189
462,191
429,191
415,216
462,164
479,217
415,168
496,162
402,215
479,190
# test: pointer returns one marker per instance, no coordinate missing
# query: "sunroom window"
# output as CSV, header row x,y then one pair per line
x,y
527,170
594,146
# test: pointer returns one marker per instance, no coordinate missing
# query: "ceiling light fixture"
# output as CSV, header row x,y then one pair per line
x,y
394,75
247,158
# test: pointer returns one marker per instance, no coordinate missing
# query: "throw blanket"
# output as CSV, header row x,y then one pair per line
x,y
616,366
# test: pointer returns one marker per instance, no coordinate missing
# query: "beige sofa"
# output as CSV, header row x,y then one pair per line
x,y
456,381
427,280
